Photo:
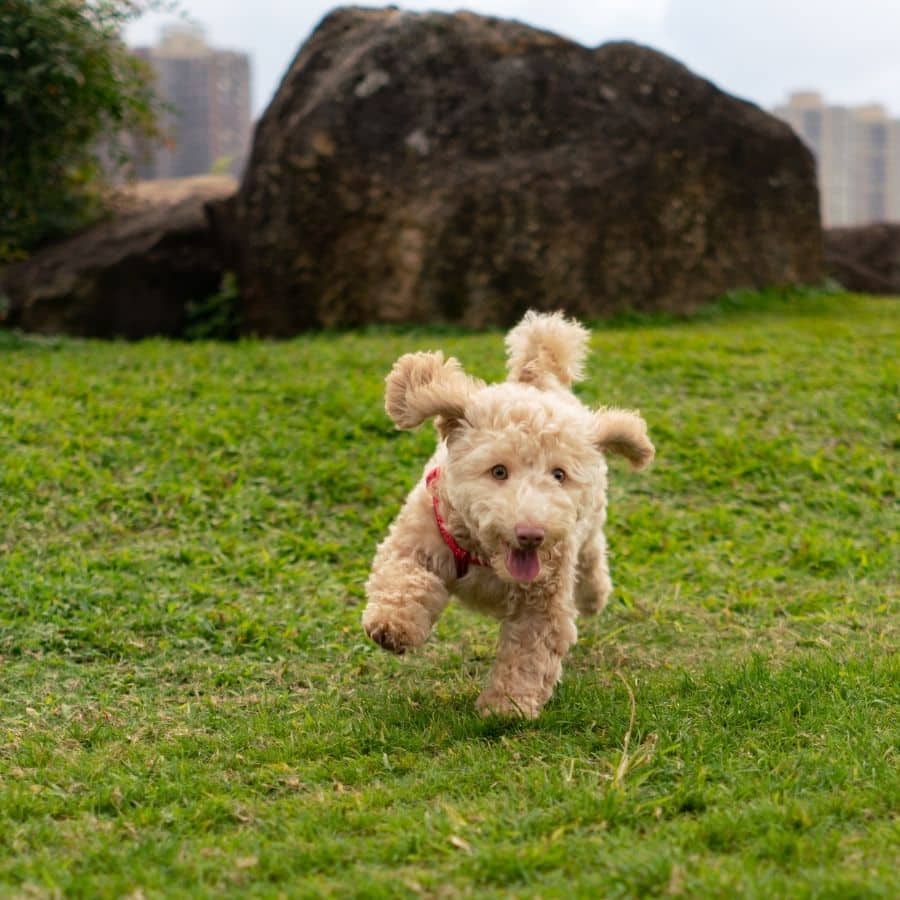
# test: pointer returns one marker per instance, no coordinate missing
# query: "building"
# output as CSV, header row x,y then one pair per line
x,y
857,152
207,95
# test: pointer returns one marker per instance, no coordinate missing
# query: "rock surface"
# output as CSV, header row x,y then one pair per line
x,y
865,258
129,276
422,167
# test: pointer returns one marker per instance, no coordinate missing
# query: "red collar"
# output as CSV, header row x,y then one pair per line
x,y
463,558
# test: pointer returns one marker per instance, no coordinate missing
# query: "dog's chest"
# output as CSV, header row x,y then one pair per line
x,y
482,590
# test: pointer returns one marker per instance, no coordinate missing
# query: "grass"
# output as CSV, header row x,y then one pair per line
x,y
188,706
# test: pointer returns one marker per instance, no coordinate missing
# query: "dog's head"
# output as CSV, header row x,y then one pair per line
x,y
525,467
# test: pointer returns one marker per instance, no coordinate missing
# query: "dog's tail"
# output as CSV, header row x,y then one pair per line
x,y
546,350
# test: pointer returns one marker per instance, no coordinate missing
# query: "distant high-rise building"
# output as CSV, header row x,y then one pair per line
x,y
207,92
857,152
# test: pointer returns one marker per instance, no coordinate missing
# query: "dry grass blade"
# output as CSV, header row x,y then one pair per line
x,y
643,754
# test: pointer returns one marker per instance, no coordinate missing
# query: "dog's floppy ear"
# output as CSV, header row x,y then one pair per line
x,y
623,431
424,385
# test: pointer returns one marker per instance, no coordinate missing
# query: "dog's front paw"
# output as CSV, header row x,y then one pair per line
x,y
494,703
589,603
390,637
591,595
395,633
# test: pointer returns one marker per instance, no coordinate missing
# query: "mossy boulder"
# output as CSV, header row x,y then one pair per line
x,y
432,167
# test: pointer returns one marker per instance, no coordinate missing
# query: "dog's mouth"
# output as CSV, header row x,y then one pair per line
x,y
523,565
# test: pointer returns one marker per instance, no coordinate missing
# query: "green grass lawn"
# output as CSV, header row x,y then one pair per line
x,y
188,705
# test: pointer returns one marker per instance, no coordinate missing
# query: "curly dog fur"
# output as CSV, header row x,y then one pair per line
x,y
521,486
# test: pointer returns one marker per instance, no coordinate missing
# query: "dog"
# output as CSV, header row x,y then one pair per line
x,y
508,515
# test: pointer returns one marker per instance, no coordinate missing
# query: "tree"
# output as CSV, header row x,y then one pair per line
x,y
70,95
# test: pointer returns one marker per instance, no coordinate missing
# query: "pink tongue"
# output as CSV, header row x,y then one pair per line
x,y
523,565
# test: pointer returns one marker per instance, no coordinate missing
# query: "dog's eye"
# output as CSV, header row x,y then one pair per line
x,y
499,473
559,475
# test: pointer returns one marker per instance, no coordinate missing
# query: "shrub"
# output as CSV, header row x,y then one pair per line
x,y
70,91
215,317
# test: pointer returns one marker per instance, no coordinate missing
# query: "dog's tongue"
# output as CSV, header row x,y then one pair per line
x,y
523,565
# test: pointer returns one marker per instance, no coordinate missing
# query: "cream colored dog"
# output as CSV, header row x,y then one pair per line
x,y
508,515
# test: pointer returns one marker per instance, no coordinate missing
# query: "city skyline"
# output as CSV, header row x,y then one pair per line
x,y
759,50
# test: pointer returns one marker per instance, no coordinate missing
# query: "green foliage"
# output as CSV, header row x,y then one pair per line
x,y
215,317
69,92
189,707
222,165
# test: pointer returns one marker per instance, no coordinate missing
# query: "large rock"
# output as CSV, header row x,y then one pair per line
x,y
453,167
866,258
129,276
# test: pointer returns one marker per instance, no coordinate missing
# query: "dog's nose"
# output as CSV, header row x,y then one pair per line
x,y
529,537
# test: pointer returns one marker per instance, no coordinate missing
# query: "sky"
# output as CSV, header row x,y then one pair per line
x,y
760,50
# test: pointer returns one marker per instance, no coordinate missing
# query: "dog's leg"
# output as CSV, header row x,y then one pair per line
x,y
594,585
404,601
532,646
